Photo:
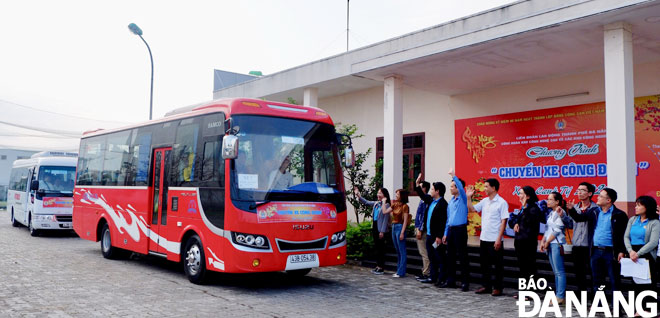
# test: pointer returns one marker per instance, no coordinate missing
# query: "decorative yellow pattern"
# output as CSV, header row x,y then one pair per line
x,y
478,144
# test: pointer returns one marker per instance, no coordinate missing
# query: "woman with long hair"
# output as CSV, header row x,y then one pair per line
x,y
380,226
641,237
400,218
526,226
553,240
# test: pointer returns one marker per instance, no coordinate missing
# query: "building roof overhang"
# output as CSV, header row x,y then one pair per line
x,y
523,41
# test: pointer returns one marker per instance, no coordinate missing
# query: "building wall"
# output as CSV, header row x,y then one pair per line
x,y
434,114
423,112
9,156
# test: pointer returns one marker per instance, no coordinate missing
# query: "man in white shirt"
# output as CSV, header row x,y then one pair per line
x,y
281,178
494,213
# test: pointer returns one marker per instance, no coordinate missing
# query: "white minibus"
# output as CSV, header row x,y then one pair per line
x,y
40,192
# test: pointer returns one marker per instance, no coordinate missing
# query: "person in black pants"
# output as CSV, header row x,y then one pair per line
x,y
526,225
607,226
494,214
581,252
381,225
455,235
436,219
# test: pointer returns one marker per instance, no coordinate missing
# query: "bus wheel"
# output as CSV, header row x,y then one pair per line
x,y
109,251
14,223
194,263
33,231
299,272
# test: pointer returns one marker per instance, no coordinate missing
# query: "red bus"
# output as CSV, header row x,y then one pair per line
x,y
237,185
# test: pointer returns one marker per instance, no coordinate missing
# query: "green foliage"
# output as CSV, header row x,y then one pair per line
x,y
360,242
357,175
377,180
292,101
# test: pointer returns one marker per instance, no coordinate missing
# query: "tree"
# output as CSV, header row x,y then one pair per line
x,y
356,174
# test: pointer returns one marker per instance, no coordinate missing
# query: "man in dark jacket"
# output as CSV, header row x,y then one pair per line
x,y
607,225
436,219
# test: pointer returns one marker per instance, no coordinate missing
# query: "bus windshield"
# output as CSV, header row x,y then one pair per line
x,y
285,160
56,179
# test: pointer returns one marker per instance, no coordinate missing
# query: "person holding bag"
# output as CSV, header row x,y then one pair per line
x,y
641,238
552,243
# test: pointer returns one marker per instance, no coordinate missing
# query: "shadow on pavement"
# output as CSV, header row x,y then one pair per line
x,y
252,281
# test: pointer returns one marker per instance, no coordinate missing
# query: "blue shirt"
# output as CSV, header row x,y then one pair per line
x,y
457,209
376,212
428,217
603,232
638,232
420,216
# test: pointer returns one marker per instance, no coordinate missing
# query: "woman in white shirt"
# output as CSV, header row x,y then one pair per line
x,y
552,243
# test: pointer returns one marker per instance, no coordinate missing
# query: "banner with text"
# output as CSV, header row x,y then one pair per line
x,y
552,150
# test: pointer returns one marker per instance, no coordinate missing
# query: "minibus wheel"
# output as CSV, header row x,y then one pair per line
x,y
33,231
14,223
109,251
194,263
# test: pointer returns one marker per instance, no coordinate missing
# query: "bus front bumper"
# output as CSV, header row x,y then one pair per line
x,y
52,222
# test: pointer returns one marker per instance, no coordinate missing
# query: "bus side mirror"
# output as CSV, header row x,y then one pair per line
x,y
229,147
350,157
34,186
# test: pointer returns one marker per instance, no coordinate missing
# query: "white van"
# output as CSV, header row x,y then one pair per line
x,y
40,194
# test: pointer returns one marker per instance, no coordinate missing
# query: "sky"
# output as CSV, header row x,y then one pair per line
x,y
72,66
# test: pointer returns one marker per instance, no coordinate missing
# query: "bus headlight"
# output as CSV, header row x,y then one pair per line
x,y
338,238
250,240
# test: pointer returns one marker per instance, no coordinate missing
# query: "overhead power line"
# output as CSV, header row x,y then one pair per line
x,y
66,115
37,136
72,134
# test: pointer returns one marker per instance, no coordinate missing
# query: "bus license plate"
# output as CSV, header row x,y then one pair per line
x,y
303,258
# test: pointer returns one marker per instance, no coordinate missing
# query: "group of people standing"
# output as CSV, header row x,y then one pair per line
x,y
602,234
441,232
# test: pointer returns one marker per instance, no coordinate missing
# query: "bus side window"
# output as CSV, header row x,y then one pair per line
x,y
116,156
213,166
90,161
185,151
141,151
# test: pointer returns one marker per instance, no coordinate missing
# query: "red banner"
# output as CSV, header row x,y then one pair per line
x,y
553,150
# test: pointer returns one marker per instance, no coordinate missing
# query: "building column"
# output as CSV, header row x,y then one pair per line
x,y
619,110
311,97
393,134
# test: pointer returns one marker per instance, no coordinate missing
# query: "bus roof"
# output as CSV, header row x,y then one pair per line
x,y
233,106
46,161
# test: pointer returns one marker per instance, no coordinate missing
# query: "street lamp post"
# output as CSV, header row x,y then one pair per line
x,y
137,31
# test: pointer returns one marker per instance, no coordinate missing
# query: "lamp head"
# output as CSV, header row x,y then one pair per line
x,y
135,29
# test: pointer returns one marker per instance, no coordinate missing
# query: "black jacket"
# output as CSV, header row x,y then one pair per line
x,y
438,216
528,220
619,224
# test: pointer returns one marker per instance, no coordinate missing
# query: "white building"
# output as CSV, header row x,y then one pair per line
x,y
7,158
531,54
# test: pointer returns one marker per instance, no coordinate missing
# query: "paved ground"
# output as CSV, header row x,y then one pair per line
x,y
63,276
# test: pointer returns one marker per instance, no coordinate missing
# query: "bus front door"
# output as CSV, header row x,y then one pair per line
x,y
159,199
28,198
